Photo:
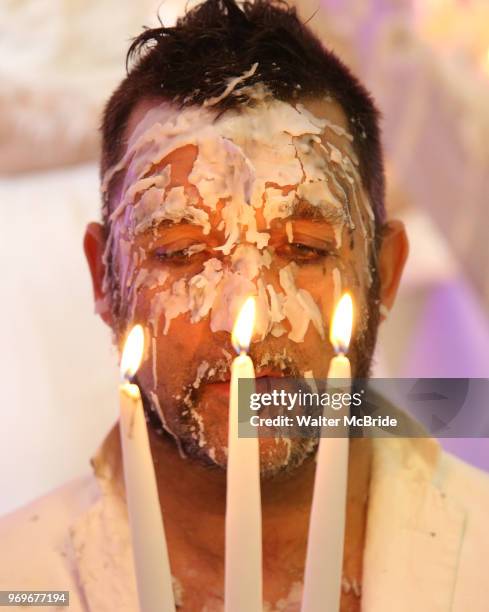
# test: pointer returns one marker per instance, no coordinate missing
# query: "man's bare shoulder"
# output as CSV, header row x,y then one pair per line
x,y
35,538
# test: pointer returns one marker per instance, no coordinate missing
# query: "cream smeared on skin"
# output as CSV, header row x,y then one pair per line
x,y
231,85
337,285
298,306
289,231
155,404
273,143
252,167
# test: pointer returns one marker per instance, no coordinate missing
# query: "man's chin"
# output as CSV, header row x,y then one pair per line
x,y
278,456
201,433
284,455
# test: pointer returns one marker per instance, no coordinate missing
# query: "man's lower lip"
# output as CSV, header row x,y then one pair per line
x,y
220,388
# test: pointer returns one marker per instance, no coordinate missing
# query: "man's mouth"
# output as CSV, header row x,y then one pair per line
x,y
219,388
270,373
263,377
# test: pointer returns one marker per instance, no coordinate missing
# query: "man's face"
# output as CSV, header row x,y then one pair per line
x,y
266,202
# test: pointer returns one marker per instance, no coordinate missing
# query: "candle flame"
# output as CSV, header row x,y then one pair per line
x,y
132,353
341,326
243,327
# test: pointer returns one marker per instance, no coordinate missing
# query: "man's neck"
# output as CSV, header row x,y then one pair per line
x,y
193,500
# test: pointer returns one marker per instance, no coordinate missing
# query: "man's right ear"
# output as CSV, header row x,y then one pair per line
x,y
94,246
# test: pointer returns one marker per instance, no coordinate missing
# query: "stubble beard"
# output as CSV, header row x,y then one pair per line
x,y
189,436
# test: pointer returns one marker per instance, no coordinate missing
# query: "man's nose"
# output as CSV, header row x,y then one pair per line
x,y
256,264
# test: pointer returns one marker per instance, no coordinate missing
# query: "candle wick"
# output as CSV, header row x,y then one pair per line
x,y
341,350
127,378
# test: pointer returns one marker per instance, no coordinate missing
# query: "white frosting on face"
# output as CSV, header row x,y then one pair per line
x,y
337,285
289,231
276,205
299,307
231,85
148,212
259,160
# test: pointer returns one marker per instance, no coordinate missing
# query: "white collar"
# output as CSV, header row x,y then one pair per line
x,y
414,533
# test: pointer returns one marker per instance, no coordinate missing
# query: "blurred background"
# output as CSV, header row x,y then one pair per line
x,y
426,63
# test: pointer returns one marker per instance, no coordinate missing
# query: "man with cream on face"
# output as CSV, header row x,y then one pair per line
x,y
241,158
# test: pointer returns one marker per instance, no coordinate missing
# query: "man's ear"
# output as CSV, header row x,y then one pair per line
x,y
94,246
393,253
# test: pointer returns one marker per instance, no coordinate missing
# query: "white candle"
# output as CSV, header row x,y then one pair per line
x,y
243,561
324,560
150,553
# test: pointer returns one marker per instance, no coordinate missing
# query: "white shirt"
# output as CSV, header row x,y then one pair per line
x,y
427,541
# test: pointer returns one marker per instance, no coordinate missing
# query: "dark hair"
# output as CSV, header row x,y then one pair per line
x,y
218,40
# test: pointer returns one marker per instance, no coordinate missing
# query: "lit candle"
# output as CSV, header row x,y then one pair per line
x,y
324,560
151,562
243,563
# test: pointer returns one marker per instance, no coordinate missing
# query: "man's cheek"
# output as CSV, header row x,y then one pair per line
x,y
212,411
155,373
325,283
147,303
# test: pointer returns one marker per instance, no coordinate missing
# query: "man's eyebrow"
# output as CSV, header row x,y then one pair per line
x,y
164,224
173,223
305,210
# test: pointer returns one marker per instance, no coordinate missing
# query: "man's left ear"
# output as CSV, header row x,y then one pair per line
x,y
94,246
393,253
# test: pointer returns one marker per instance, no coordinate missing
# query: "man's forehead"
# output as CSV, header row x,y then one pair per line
x,y
321,108
241,174
264,139
139,112
273,155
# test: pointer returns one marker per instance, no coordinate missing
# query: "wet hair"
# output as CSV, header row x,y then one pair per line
x,y
220,39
